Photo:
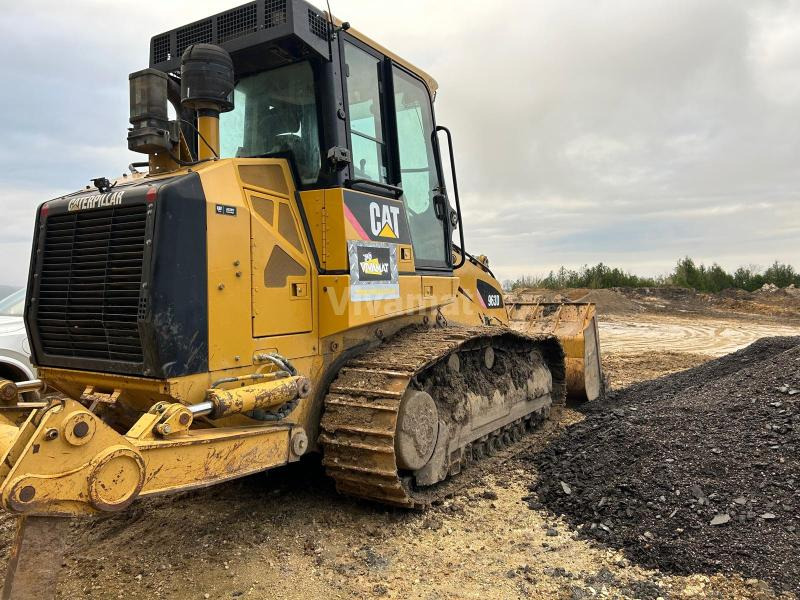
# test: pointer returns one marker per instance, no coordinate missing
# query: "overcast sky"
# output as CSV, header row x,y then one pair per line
x,y
631,132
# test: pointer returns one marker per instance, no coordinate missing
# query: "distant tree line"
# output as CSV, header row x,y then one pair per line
x,y
686,274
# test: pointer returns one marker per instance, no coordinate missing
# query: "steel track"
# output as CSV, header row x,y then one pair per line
x,y
361,409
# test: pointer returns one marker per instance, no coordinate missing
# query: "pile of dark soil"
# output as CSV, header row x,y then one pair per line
x,y
698,471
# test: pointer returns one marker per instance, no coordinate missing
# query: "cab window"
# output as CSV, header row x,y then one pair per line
x,y
418,171
367,138
275,114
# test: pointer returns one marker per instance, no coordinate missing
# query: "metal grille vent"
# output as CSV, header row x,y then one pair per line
x,y
161,48
89,285
237,22
318,25
197,33
274,13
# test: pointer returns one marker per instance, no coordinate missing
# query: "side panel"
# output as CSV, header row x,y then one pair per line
x,y
175,334
479,298
438,291
229,282
246,317
338,215
375,219
338,313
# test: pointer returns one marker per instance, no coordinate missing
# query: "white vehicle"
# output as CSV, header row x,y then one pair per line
x,y
15,350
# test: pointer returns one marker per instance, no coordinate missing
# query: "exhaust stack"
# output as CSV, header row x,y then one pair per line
x,y
207,87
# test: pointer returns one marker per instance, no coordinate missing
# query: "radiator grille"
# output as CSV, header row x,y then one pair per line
x,y
89,284
237,22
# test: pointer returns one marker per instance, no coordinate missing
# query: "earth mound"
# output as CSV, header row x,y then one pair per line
x,y
694,472
608,301
612,302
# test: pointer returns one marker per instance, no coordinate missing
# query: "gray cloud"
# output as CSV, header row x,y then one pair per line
x,y
627,131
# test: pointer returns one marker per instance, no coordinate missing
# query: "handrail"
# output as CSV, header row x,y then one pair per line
x,y
455,193
392,189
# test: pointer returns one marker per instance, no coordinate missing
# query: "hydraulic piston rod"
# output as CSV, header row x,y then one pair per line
x,y
10,391
257,396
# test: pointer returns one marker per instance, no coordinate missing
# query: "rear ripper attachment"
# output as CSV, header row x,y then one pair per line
x,y
60,458
426,403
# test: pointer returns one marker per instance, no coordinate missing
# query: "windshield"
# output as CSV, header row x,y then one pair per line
x,y
13,305
275,114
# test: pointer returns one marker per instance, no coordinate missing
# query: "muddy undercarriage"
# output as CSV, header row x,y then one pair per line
x,y
405,417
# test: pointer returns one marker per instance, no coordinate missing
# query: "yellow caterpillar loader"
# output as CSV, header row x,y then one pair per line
x,y
278,278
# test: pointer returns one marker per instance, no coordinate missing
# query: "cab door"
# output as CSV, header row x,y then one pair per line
x,y
391,133
419,171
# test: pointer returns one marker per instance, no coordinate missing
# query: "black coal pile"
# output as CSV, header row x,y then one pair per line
x,y
694,472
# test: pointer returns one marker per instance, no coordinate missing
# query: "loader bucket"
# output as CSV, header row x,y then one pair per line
x,y
575,326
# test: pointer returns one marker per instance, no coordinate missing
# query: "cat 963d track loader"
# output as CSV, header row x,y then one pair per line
x,y
280,278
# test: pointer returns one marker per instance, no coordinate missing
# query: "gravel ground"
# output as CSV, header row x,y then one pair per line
x,y
695,472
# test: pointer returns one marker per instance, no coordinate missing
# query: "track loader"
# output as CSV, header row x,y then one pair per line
x,y
278,277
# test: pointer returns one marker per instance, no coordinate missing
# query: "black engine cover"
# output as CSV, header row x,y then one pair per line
x,y
118,280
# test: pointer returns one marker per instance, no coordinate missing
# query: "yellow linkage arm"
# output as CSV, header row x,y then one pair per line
x,y
64,460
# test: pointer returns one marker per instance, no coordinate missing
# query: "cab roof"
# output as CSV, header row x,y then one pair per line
x,y
264,34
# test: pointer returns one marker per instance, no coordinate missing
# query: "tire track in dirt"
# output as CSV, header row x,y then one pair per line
x,y
712,337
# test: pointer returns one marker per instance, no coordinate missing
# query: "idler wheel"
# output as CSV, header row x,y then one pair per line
x,y
417,430
488,358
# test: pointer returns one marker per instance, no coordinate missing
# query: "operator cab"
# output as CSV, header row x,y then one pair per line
x,y
343,111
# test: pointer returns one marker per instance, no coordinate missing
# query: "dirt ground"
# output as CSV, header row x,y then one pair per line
x,y
651,345
287,534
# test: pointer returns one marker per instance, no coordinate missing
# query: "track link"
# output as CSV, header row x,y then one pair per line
x,y
363,402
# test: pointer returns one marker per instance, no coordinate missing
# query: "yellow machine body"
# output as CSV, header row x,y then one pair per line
x,y
272,285
309,320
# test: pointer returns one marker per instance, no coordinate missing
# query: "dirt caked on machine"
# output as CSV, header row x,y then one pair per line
x,y
280,278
